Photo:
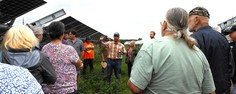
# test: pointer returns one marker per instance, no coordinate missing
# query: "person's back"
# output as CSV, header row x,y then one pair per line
x,y
37,63
215,47
61,56
17,80
172,64
18,48
65,60
175,71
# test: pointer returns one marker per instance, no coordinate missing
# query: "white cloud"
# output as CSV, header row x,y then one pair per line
x,y
131,18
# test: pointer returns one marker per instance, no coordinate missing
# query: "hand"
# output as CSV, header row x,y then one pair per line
x,y
101,38
121,49
81,66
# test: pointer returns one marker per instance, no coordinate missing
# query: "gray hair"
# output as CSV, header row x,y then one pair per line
x,y
37,30
177,21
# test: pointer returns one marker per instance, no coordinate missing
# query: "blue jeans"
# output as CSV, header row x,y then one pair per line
x,y
113,64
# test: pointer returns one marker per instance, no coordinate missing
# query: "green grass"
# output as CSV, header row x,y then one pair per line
x,y
94,83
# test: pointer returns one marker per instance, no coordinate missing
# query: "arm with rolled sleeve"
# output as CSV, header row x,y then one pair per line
x,y
141,73
123,49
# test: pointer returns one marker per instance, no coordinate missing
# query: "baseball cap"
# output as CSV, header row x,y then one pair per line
x,y
116,34
201,11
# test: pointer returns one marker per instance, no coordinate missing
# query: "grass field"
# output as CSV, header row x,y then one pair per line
x,y
94,83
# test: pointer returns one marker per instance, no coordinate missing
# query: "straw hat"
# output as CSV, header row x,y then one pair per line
x,y
104,64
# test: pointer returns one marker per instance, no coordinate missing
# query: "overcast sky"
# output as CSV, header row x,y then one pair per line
x,y
133,19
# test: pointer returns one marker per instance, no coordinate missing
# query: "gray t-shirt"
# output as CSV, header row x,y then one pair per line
x,y
168,66
78,45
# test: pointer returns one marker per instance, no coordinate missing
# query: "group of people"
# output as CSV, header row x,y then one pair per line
x,y
181,64
175,63
52,70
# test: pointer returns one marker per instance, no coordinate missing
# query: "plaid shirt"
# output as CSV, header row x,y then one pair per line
x,y
115,51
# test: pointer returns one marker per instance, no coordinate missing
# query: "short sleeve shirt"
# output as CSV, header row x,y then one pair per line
x,y
169,66
78,45
63,58
114,50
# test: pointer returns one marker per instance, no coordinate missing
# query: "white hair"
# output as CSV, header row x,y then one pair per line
x,y
177,21
37,30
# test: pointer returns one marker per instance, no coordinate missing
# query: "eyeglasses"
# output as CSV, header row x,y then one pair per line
x,y
168,28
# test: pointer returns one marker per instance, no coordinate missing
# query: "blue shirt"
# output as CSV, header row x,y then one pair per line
x,y
17,80
216,49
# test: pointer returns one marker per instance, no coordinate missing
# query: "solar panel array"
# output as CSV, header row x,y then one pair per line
x,y
11,9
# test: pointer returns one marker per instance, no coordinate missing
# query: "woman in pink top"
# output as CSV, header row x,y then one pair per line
x,y
132,51
65,60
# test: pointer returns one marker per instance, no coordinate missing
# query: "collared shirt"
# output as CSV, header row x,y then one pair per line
x,y
115,50
62,56
216,48
17,80
168,66
78,45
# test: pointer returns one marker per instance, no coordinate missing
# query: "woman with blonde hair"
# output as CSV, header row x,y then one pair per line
x,y
19,49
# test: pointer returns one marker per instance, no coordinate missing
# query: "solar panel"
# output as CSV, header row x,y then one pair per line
x,y
11,9
82,30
